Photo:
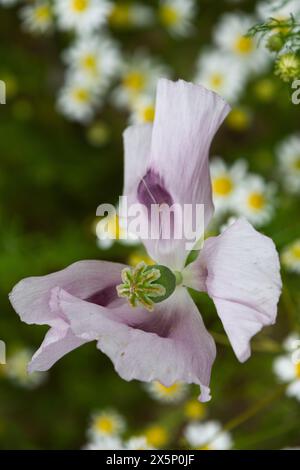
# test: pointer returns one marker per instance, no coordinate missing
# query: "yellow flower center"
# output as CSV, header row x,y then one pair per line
x,y
243,45
194,409
104,425
297,368
113,227
238,119
256,201
135,81
81,95
169,16
148,114
216,80
89,62
42,13
296,165
120,15
167,390
80,6
135,258
156,436
296,254
222,186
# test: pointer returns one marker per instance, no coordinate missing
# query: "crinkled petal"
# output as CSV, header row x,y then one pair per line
x,y
31,296
240,270
169,345
57,343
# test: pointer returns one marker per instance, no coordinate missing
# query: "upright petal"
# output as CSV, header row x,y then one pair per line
x,y
176,168
240,270
169,345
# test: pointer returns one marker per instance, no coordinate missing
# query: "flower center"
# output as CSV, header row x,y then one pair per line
x,y
243,45
222,185
296,251
79,5
81,95
135,81
168,15
216,80
256,201
297,370
105,425
148,114
140,286
89,62
43,13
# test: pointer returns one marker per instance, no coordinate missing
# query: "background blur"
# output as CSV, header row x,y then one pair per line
x,y
56,171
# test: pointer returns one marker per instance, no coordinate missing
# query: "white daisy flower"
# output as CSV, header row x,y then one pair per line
x,y
173,394
95,58
143,110
138,443
288,154
278,9
139,76
114,228
254,200
37,17
225,181
288,371
292,342
9,3
77,99
290,256
16,370
218,72
207,436
229,36
177,15
130,14
105,443
82,15
107,423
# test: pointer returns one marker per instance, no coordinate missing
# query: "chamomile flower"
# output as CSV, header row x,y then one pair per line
x,y
290,256
225,181
207,436
143,110
138,443
139,76
105,443
230,36
177,15
292,342
173,394
114,228
218,72
288,154
77,99
9,3
254,200
37,17
16,370
95,58
106,424
130,14
82,15
278,9
287,371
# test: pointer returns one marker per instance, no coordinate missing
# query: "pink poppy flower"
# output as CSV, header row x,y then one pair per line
x,y
238,269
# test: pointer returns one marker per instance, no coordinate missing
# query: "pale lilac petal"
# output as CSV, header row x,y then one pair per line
x,y
31,296
57,343
169,345
176,169
242,275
